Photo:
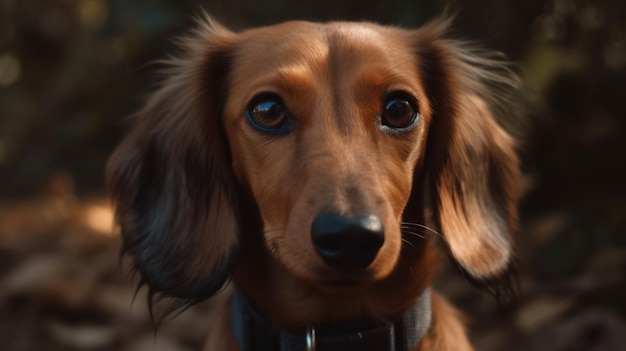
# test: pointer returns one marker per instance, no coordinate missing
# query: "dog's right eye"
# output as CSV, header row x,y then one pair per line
x,y
399,112
267,114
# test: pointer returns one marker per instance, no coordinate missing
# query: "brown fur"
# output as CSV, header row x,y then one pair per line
x,y
202,195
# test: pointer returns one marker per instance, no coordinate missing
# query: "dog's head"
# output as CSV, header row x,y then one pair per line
x,y
315,137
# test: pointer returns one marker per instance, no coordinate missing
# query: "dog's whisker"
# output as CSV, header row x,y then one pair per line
x,y
404,240
267,231
415,231
410,224
274,244
419,235
403,260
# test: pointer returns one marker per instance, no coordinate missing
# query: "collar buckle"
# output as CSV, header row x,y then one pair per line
x,y
310,339
253,332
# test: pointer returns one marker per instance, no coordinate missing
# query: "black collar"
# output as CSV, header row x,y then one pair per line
x,y
253,332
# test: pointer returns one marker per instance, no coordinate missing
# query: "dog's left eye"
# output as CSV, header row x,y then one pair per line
x,y
399,112
267,113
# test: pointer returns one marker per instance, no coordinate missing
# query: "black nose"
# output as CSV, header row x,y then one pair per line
x,y
347,242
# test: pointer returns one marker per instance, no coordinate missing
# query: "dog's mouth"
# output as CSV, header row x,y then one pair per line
x,y
341,281
345,252
339,286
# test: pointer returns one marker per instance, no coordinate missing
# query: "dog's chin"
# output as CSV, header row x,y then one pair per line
x,y
340,286
321,277
339,282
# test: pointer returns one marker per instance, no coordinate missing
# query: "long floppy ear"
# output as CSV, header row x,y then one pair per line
x,y
472,165
171,179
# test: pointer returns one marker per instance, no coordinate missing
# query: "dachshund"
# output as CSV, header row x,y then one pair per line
x,y
302,162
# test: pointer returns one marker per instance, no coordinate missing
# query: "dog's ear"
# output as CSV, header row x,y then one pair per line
x,y
472,166
171,180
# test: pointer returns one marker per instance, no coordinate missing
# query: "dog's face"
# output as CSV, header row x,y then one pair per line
x,y
333,135
327,119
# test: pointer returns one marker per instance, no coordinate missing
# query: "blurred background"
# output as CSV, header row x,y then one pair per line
x,y
71,71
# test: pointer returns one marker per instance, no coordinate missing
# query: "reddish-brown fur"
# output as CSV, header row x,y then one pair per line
x,y
200,194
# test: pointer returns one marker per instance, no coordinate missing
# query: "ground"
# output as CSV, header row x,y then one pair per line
x,y
64,287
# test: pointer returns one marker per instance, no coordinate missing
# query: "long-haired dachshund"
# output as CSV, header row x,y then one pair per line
x,y
299,160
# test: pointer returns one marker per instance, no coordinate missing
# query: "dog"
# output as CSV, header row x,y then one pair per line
x,y
300,161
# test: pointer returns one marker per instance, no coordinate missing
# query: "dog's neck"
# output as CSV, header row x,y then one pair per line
x,y
254,331
292,303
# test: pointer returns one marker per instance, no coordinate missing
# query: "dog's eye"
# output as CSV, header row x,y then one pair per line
x,y
399,112
267,114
